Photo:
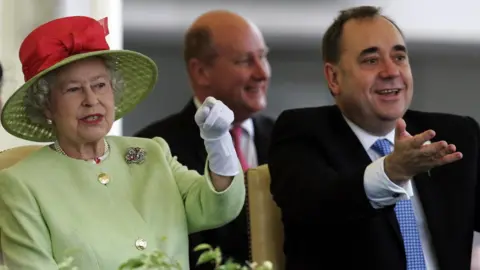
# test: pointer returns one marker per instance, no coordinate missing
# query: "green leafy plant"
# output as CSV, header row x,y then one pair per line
x,y
214,255
158,260
154,260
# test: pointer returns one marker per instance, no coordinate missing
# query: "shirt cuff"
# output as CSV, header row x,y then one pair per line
x,y
380,190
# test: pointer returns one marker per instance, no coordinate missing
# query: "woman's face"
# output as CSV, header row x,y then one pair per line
x,y
82,103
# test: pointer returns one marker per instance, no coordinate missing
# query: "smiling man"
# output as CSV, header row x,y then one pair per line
x,y
368,183
226,58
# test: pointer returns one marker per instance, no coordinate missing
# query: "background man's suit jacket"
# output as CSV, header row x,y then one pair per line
x,y
183,136
317,166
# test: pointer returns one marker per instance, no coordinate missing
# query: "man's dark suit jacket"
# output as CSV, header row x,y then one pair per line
x,y
183,136
317,166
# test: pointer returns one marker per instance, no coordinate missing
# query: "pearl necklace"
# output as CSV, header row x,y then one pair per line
x,y
96,160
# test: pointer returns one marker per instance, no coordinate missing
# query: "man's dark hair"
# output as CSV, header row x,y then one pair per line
x,y
199,44
331,43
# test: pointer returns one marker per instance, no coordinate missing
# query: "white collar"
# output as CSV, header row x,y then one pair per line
x,y
367,139
246,125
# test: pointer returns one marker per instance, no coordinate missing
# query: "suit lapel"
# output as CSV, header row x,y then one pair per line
x,y
355,155
349,150
262,142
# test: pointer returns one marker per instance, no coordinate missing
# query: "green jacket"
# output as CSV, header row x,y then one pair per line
x,y
53,206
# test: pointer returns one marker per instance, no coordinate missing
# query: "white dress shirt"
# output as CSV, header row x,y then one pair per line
x,y
247,142
380,190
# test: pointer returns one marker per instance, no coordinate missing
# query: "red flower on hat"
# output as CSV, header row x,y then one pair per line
x,y
56,40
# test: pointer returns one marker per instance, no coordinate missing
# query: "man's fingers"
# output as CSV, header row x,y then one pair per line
x,y
451,148
419,139
433,149
450,158
439,153
400,128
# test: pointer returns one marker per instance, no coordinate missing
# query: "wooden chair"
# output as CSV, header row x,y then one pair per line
x,y
265,224
13,155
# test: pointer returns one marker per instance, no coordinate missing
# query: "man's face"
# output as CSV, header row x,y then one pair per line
x,y
240,74
372,82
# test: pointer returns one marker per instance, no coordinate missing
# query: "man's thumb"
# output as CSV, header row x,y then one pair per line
x,y
400,129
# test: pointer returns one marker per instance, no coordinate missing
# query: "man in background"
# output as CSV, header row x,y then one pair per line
x,y
226,57
369,183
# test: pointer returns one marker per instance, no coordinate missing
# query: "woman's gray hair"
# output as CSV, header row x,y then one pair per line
x,y
37,98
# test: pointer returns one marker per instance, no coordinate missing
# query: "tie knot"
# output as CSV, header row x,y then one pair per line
x,y
236,129
382,146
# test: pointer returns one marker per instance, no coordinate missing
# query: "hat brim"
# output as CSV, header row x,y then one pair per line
x,y
139,74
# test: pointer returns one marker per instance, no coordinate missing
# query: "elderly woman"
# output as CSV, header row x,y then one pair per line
x,y
103,199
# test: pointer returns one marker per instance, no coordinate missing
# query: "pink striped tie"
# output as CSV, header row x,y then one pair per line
x,y
236,132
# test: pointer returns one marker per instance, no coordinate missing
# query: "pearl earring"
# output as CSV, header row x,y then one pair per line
x,y
49,121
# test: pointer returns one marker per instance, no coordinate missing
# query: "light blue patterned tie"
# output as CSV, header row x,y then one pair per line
x,y
406,220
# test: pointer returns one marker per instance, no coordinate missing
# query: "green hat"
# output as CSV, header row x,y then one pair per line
x,y
60,42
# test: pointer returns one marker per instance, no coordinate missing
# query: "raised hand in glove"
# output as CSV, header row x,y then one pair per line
x,y
214,119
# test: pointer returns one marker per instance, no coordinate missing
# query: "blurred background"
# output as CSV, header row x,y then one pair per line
x,y
443,40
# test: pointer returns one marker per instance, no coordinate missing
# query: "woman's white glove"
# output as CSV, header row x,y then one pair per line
x,y
214,119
